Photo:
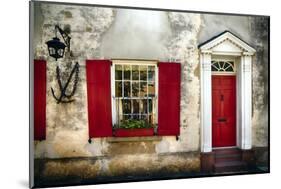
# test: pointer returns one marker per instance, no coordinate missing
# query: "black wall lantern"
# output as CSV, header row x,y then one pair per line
x,y
56,48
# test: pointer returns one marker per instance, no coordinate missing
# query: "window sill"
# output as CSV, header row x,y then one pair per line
x,y
130,135
133,139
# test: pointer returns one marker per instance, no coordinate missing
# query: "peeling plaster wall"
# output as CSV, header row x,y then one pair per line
x,y
67,124
107,33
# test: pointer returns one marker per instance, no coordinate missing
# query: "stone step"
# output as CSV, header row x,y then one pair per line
x,y
228,157
227,151
230,166
230,154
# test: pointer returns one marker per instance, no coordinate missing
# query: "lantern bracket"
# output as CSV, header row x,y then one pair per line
x,y
64,35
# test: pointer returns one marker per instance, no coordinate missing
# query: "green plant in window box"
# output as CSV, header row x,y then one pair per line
x,y
134,124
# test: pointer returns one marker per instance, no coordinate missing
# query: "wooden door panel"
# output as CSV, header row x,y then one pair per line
x,y
223,111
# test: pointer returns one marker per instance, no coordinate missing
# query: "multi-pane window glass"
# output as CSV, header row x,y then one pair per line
x,y
223,66
135,93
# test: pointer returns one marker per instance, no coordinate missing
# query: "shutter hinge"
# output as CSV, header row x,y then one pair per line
x,y
90,140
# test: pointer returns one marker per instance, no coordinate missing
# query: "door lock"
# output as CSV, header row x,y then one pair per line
x,y
222,97
222,119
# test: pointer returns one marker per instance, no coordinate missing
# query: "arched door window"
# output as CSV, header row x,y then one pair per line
x,y
223,66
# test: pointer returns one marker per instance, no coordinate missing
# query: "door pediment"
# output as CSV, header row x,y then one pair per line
x,y
226,43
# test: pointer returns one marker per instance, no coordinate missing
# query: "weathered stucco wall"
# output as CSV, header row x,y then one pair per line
x,y
107,33
67,124
99,33
148,166
259,38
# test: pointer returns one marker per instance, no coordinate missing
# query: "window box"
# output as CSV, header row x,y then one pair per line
x,y
135,132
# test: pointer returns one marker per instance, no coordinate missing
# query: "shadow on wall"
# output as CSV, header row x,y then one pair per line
x,y
138,34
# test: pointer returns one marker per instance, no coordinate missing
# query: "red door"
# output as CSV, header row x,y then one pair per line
x,y
223,111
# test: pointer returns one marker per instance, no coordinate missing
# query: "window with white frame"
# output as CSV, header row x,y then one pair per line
x,y
135,91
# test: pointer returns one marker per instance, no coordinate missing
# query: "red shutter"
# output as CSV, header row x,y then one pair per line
x,y
39,99
99,98
169,99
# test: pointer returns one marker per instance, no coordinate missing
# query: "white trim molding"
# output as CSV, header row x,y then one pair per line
x,y
245,90
227,44
206,102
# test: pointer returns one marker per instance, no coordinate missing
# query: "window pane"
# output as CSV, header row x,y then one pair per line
x,y
225,65
126,117
150,106
127,89
118,72
221,64
229,69
151,73
60,52
144,117
126,105
127,72
143,73
135,72
136,117
150,119
143,89
151,89
135,89
143,106
118,110
136,106
216,66
118,88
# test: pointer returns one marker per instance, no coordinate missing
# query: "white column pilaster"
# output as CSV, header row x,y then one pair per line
x,y
206,102
246,102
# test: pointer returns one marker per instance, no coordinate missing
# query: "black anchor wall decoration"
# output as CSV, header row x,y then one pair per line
x,y
64,97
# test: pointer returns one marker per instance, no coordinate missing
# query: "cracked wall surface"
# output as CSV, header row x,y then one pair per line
x,y
106,33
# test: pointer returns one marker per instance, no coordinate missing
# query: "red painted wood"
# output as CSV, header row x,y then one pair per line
x,y
169,98
39,99
134,132
99,98
223,106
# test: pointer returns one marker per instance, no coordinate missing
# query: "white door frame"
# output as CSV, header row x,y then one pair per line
x,y
227,44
